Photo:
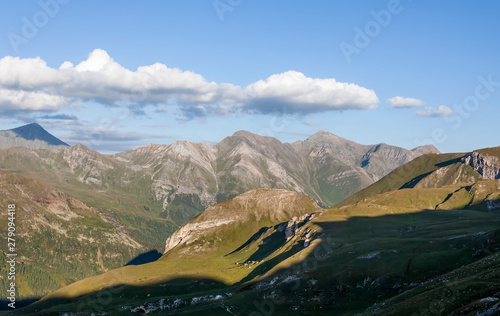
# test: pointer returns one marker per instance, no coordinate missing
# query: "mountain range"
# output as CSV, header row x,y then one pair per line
x,y
188,177
114,208
423,240
180,180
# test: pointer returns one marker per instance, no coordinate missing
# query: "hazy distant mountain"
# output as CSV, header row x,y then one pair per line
x,y
30,136
325,167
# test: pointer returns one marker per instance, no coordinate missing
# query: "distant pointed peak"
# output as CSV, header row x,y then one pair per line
x,y
324,135
244,133
426,149
80,146
33,125
35,131
322,132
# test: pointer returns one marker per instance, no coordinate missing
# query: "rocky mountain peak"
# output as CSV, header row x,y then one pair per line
x,y
323,136
425,149
242,133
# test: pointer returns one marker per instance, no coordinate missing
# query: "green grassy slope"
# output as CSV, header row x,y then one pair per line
x,y
407,175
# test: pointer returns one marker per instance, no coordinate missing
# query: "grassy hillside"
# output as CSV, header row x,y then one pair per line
x,y
492,151
408,175
339,261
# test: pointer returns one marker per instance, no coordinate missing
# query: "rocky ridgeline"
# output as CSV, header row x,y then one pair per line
x,y
487,166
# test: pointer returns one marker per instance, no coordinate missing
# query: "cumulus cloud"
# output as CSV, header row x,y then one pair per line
x,y
29,84
401,102
440,111
298,93
30,100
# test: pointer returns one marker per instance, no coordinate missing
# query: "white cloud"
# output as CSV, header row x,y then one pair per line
x,y
29,84
401,102
297,93
30,100
440,111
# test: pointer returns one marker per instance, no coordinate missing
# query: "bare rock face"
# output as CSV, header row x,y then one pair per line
x,y
290,228
488,166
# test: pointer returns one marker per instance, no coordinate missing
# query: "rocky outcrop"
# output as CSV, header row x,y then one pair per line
x,y
190,232
290,228
487,166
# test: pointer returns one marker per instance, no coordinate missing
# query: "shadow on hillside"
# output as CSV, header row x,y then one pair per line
x,y
255,237
19,303
449,162
390,251
143,258
411,184
125,298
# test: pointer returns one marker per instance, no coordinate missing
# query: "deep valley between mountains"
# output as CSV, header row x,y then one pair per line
x,y
251,226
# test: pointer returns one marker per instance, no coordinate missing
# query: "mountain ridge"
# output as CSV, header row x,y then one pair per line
x,y
241,153
185,177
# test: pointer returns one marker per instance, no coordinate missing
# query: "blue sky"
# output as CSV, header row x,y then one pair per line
x,y
400,72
